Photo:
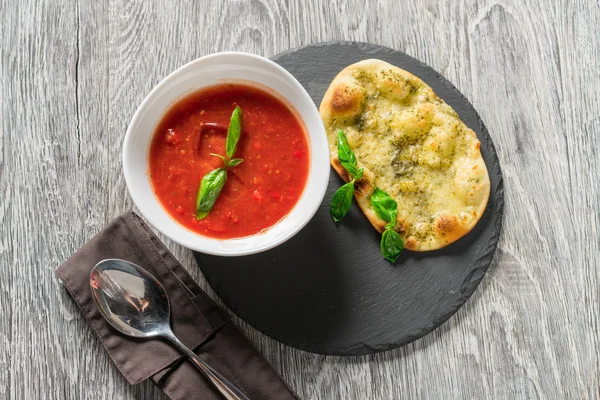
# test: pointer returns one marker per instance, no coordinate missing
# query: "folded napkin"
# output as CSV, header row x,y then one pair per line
x,y
196,320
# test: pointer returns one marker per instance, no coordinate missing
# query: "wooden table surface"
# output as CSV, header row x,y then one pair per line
x,y
73,73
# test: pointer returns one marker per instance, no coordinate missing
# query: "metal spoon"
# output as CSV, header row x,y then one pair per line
x,y
135,303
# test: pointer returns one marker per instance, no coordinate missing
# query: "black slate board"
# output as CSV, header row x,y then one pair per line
x,y
328,290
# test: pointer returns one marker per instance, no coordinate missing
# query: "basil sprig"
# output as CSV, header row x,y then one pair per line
x,y
212,183
384,205
342,199
386,208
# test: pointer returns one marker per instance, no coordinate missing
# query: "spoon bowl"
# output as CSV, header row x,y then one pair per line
x,y
136,304
131,300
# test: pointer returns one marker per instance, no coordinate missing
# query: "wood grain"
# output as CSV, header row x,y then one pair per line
x,y
73,72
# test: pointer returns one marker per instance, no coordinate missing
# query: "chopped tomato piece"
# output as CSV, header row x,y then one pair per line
x,y
171,137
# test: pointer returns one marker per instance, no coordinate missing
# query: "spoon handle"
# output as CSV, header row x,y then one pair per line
x,y
227,389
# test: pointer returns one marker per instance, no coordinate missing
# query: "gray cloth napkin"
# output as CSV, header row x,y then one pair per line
x,y
196,320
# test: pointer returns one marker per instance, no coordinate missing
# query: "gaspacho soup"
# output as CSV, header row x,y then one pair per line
x,y
259,191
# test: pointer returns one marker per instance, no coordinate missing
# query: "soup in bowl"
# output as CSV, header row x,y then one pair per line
x,y
260,190
179,139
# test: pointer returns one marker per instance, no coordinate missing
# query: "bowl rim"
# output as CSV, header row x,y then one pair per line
x,y
311,206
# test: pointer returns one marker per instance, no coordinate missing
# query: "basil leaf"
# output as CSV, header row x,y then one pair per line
x,y
391,245
341,201
347,157
234,161
220,156
234,131
359,173
209,190
385,207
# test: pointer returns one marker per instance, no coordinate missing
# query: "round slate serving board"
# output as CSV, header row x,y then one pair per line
x,y
328,290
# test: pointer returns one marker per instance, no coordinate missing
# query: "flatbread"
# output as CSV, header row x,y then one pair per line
x,y
413,146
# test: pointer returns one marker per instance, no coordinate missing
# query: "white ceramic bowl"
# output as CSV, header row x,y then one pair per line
x,y
208,71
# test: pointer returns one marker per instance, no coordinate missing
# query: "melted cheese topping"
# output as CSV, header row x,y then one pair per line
x,y
414,146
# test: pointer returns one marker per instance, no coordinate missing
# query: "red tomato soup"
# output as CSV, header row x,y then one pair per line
x,y
259,191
